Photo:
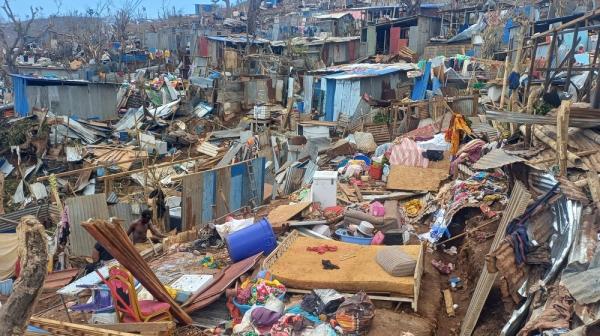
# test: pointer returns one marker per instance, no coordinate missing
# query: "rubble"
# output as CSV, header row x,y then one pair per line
x,y
320,168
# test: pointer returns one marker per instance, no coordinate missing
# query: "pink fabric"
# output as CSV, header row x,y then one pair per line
x,y
378,238
149,307
407,153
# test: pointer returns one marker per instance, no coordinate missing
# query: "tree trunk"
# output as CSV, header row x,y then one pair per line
x,y
227,8
252,16
33,251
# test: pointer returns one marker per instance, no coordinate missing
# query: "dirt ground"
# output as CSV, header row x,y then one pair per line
x,y
468,264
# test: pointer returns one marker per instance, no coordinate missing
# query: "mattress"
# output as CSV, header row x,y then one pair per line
x,y
358,270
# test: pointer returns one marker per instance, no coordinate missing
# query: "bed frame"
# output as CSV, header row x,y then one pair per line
x,y
287,242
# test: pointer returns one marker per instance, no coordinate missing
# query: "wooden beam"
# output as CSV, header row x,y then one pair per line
x,y
594,184
562,122
144,328
449,302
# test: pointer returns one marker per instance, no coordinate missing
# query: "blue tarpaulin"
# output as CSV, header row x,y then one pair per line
x,y
421,84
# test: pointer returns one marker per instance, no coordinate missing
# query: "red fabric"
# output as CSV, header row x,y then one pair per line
x,y
322,249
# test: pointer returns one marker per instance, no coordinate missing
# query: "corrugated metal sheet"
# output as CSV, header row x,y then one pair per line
x,y
293,180
463,105
124,212
522,118
81,209
517,204
584,286
481,128
496,158
44,212
201,198
309,172
566,222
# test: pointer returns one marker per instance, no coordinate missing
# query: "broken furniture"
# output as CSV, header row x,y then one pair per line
x,y
300,270
127,305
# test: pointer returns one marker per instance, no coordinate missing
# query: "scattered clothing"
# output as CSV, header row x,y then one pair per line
x,y
322,249
328,265
441,267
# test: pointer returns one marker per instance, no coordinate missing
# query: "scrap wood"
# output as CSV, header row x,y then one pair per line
x,y
594,185
278,216
539,133
114,239
144,328
358,193
65,328
415,178
449,303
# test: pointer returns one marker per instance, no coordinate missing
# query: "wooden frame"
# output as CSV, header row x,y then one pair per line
x,y
418,275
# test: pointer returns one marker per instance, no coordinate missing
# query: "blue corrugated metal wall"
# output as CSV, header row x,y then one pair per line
x,y
201,189
20,90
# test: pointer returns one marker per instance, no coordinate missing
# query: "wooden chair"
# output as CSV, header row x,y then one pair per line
x,y
128,308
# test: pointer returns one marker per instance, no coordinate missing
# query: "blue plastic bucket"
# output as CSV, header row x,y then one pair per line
x,y
258,237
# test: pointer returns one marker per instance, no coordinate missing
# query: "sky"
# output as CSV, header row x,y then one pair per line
x,y
21,7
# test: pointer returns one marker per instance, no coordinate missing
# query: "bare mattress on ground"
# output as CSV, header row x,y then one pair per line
x,y
298,268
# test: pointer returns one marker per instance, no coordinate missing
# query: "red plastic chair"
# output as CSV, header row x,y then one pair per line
x,y
128,308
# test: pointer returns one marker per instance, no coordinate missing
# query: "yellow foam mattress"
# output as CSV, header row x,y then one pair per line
x,y
300,269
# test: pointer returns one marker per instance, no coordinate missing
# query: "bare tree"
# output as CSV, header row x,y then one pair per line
x,y
13,35
227,8
123,18
90,31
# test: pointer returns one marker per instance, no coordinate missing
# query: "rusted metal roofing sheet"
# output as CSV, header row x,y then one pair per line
x,y
44,212
496,158
59,279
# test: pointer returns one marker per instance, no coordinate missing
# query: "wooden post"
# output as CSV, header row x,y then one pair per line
x,y
33,250
562,126
504,79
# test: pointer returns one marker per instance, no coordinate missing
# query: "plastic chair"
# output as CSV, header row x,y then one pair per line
x,y
128,308
101,300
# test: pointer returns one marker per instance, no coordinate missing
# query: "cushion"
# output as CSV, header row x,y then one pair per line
x,y
396,262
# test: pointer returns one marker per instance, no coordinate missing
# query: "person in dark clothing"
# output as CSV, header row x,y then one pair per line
x,y
99,256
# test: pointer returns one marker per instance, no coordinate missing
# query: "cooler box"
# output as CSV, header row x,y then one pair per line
x,y
324,188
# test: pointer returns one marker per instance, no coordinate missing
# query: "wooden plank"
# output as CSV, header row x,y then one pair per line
x,y
594,185
278,216
145,328
449,303
65,328
562,128
358,193
415,178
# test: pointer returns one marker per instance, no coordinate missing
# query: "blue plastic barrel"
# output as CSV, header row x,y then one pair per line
x,y
258,237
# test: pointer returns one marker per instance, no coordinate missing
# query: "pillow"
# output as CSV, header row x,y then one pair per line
x,y
396,262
